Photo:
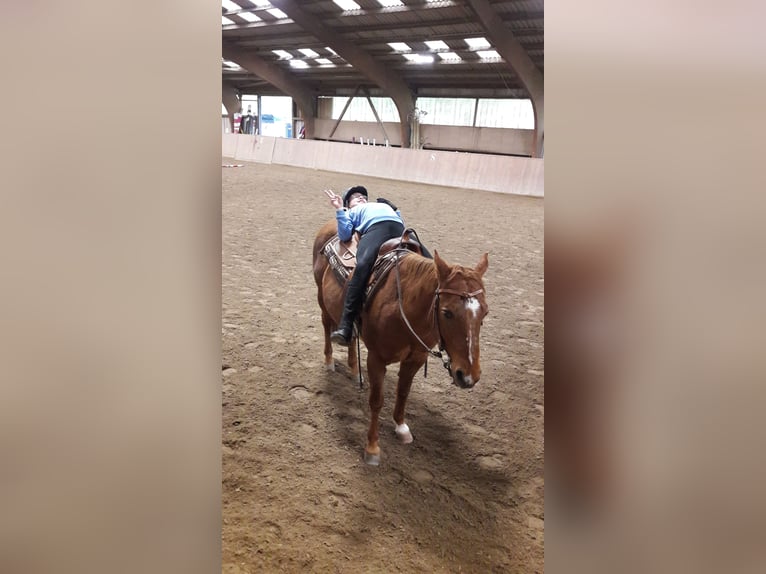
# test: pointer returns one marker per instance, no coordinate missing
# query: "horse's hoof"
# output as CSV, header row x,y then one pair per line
x,y
372,459
404,434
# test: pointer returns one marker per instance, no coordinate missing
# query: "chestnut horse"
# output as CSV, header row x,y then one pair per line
x,y
455,293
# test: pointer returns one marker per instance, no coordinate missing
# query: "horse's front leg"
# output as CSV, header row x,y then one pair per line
x,y
407,370
376,370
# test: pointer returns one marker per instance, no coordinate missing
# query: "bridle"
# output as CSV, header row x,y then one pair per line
x,y
442,352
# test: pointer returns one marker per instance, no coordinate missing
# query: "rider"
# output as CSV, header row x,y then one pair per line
x,y
376,223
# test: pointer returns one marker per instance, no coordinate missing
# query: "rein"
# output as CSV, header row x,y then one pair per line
x,y
441,353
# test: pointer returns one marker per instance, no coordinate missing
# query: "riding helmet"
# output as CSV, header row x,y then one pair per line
x,y
351,191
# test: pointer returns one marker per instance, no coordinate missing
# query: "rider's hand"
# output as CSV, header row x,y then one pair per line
x,y
335,200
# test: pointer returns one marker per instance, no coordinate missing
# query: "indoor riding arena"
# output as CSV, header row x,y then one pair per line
x,y
437,107
467,494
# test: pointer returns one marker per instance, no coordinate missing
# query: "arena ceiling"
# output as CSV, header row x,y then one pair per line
x,y
442,48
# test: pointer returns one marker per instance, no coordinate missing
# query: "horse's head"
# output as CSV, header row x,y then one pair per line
x,y
461,308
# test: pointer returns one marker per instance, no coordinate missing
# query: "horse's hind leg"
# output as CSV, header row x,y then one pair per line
x,y
328,324
407,370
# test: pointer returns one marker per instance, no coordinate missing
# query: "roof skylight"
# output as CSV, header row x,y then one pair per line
x,y
249,16
298,64
419,58
324,62
477,42
400,46
231,6
487,54
436,45
347,4
330,50
260,3
277,13
308,52
283,55
225,21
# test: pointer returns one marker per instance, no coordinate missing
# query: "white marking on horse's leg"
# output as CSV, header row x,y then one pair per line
x,y
330,366
403,432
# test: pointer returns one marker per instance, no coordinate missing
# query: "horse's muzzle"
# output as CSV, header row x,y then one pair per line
x,y
462,380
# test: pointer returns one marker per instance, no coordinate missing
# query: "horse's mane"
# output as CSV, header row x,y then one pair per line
x,y
421,266
425,269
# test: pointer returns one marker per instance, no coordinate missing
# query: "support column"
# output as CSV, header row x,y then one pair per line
x,y
231,102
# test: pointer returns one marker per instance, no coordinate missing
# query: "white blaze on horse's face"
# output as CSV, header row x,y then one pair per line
x,y
472,307
462,317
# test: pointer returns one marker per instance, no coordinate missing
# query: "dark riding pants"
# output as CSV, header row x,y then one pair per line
x,y
366,253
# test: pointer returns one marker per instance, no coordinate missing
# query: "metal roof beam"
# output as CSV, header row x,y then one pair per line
x,y
445,22
386,78
517,58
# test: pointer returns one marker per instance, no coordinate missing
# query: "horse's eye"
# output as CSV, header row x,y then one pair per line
x,y
447,313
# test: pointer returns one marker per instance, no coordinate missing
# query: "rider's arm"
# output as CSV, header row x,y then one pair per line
x,y
345,225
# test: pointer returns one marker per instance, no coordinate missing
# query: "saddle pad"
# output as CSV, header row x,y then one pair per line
x,y
342,261
343,251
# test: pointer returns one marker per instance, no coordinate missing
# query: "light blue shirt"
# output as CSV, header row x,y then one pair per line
x,y
362,217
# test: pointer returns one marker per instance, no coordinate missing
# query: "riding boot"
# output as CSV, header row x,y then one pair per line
x,y
351,307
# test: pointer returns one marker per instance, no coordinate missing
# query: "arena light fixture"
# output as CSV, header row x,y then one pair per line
x,y
390,3
449,56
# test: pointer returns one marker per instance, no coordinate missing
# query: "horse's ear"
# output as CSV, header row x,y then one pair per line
x,y
442,269
483,264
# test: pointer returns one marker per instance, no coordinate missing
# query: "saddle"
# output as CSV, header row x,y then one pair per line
x,y
342,257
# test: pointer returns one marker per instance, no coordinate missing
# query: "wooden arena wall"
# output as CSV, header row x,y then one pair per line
x,y
504,174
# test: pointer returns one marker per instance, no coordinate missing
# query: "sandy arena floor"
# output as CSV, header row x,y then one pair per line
x,y
467,494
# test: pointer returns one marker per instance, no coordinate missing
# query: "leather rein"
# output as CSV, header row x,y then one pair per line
x,y
442,352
